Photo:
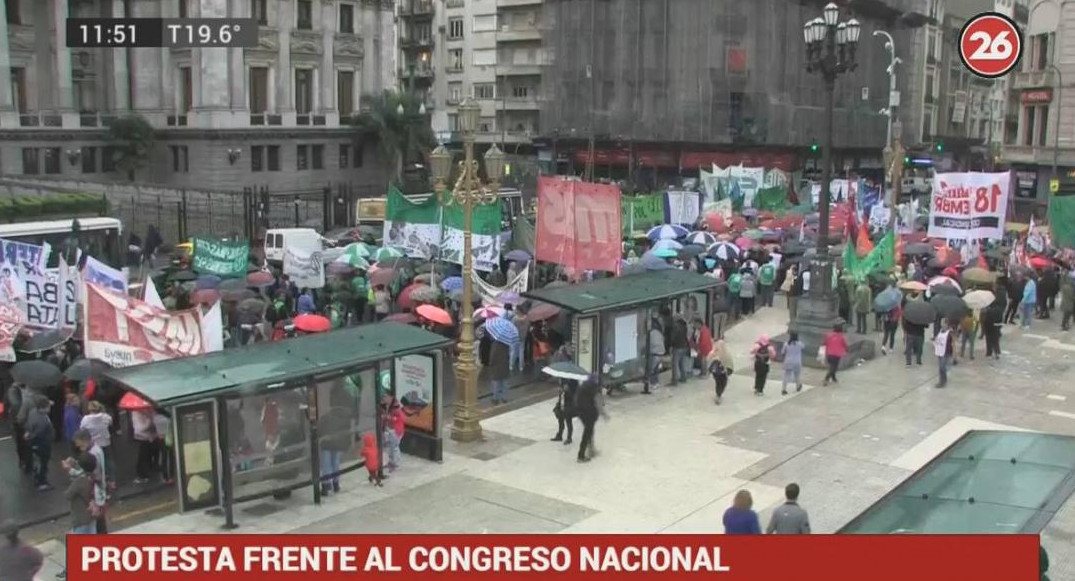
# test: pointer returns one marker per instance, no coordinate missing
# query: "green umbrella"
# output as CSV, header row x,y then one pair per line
x,y
358,249
354,256
387,254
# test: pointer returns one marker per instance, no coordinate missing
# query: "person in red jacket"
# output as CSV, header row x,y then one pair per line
x,y
372,456
835,348
701,344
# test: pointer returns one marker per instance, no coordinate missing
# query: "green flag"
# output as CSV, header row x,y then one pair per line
x,y
771,199
851,260
410,227
881,258
223,258
485,230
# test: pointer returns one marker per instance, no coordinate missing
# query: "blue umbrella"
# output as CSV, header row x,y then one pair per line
x,y
653,262
667,232
502,330
887,300
701,238
666,244
452,283
518,255
207,281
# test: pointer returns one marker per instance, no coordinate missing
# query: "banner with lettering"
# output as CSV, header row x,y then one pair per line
x,y
485,239
578,224
100,274
10,323
682,208
123,331
49,297
969,205
19,262
305,269
750,180
430,229
642,212
491,294
223,258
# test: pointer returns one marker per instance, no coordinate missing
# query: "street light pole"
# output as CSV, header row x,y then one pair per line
x,y
468,192
892,141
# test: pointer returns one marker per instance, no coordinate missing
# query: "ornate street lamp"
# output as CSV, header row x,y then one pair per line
x,y
830,52
467,192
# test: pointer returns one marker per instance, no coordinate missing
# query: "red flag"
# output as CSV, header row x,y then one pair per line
x,y
982,263
863,245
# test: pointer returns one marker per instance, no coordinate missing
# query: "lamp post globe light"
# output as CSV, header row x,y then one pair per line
x,y
830,52
468,192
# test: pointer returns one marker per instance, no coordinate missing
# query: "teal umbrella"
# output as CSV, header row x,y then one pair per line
x,y
665,253
387,254
357,249
352,256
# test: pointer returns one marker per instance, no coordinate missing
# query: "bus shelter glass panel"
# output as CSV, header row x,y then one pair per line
x,y
346,409
269,441
692,306
623,344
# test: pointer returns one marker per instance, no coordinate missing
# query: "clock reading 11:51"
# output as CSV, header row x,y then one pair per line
x,y
162,32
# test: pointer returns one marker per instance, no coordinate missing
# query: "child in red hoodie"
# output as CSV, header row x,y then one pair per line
x,y
372,456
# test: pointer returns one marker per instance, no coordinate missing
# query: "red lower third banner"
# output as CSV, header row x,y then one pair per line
x,y
571,557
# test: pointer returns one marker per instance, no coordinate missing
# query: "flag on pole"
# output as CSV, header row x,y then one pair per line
x,y
863,244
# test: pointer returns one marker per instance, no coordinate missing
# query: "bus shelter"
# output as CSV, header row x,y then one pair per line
x,y
269,418
610,318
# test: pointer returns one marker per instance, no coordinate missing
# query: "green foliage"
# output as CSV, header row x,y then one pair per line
x,y
23,208
396,136
131,139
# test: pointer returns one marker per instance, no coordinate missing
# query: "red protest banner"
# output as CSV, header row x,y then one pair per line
x,y
10,322
578,225
534,557
124,331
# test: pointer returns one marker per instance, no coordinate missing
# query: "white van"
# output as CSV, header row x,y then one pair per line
x,y
277,239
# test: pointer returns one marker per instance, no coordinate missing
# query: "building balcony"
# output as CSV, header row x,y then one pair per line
x,y
520,70
416,7
513,3
418,73
415,43
507,34
1033,79
521,104
1037,154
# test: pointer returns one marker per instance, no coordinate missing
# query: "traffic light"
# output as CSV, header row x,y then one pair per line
x,y
940,147
907,160
814,147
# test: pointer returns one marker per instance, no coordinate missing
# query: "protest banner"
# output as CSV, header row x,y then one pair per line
x,y
430,229
10,323
223,258
123,331
969,205
491,294
578,224
100,274
305,269
49,296
682,208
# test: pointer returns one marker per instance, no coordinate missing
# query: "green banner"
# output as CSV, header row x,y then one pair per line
x,y
642,212
223,258
771,199
882,258
1062,221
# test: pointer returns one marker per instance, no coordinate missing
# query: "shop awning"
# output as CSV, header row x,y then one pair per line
x,y
623,291
987,482
260,366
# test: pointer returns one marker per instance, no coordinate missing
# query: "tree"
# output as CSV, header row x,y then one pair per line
x,y
131,140
398,137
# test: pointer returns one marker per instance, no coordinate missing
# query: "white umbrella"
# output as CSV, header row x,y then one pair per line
x,y
979,299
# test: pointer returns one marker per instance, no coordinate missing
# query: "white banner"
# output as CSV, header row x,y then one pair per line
x,y
123,331
722,207
491,294
879,216
100,274
682,207
750,181
968,206
305,269
52,298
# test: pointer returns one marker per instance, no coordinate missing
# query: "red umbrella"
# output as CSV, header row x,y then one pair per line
x,y
542,311
132,401
382,276
744,243
205,296
739,223
435,314
405,302
312,323
715,222
1040,262
260,278
405,318
951,272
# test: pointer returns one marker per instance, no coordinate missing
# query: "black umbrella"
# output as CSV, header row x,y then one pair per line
x,y
918,248
235,296
920,313
83,369
566,370
182,276
43,341
36,374
249,311
949,307
690,250
938,290
794,247
233,284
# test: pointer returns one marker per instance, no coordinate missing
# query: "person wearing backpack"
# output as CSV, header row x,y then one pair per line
x,y
766,280
763,353
720,365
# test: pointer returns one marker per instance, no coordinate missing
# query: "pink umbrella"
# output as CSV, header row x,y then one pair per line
x,y
131,401
744,243
260,278
405,301
382,276
490,312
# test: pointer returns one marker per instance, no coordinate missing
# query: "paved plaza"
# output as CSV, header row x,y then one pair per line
x,y
671,462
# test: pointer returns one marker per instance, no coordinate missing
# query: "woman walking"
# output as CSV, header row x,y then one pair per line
x,y
589,407
835,344
564,410
891,324
793,363
763,353
740,518
992,321
720,366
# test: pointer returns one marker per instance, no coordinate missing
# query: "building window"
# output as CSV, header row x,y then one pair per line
x,y
18,87
347,18
259,89
273,157
345,92
455,59
14,16
484,23
1029,125
453,122
455,92
304,91
318,155
357,160
184,10
345,155
455,28
487,125
304,19
108,159
89,160
30,157
520,92
259,10
186,90
1041,47
1043,125
931,87
484,57
52,160
302,157
423,32
257,158
180,161
484,91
